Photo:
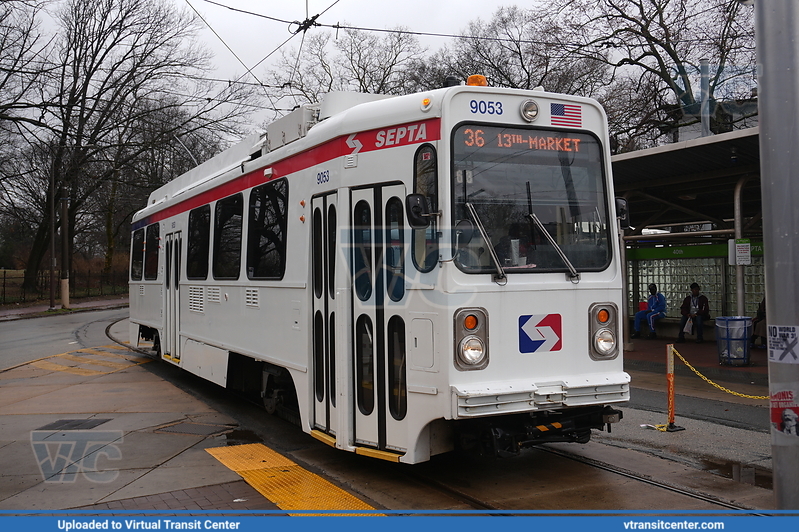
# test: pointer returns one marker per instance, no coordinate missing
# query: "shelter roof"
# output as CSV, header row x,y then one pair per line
x,y
693,181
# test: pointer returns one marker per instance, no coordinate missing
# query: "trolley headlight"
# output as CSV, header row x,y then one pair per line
x,y
604,342
529,110
470,343
603,327
472,350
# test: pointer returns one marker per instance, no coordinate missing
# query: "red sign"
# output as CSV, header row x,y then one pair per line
x,y
391,137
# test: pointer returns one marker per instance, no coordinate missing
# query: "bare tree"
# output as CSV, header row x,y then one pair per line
x,y
22,62
353,60
523,48
654,48
22,66
119,66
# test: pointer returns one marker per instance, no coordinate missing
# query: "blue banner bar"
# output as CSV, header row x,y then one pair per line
x,y
478,521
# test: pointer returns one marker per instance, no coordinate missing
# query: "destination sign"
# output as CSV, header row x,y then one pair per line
x,y
530,140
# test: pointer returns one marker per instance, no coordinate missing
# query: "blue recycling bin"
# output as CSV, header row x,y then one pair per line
x,y
732,339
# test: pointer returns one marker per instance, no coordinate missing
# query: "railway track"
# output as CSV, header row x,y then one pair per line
x,y
652,487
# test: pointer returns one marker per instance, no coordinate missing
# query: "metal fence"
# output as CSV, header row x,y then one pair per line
x,y
81,284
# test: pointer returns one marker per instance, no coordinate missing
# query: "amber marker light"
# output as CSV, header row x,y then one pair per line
x,y
477,80
603,316
470,322
427,104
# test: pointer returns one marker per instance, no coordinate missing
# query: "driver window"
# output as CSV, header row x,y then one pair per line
x,y
424,242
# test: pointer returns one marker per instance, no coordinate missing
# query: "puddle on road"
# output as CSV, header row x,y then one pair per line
x,y
755,476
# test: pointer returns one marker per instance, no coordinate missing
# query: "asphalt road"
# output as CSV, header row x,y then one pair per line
x,y
30,339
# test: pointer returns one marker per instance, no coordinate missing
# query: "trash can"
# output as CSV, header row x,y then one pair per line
x,y
732,339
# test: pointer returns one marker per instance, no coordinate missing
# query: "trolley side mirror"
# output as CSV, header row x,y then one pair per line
x,y
417,211
623,213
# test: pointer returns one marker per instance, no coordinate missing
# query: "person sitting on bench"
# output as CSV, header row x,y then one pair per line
x,y
655,309
696,309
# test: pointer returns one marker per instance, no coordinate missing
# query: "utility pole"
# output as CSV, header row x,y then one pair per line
x,y
704,104
64,248
52,239
776,23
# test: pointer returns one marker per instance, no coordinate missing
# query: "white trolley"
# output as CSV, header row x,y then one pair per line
x,y
400,276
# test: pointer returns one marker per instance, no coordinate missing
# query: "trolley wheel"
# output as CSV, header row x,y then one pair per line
x,y
271,395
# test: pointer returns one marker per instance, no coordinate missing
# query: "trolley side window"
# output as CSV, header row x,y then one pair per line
x,y
227,237
199,243
398,398
364,364
151,253
395,249
137,255
363,250
425,181
266,241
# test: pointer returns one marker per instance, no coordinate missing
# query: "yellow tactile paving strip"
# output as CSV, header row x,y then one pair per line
x,y
284,482
52,366
86,361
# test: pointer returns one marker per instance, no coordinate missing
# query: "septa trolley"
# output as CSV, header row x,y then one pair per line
x,y
399,275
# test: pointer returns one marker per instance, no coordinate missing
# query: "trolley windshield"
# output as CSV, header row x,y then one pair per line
x,y
508,176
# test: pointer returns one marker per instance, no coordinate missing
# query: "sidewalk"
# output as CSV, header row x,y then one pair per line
x,y
650,355
16,312
93,429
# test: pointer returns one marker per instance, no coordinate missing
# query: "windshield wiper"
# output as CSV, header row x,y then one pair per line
x,y
574,275
500,271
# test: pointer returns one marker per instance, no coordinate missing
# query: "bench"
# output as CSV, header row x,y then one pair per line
x,y
669,327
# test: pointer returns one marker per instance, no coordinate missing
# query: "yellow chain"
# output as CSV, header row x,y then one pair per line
x,y
722,388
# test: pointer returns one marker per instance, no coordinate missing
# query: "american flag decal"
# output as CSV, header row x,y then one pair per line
x,y
566,115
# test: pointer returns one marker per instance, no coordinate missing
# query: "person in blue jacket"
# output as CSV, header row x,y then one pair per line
x,y
655,309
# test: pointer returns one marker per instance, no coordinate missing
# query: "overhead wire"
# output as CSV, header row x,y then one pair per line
x,y
221,39
309,22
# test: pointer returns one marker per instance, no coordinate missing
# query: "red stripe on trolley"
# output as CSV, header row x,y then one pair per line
x,y
361,142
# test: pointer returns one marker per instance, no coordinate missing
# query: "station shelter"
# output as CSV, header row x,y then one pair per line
x,y
687,200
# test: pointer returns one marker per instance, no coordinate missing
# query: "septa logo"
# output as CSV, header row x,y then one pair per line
x,y
540,333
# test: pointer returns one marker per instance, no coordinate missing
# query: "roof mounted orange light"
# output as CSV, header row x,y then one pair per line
x,y
477,80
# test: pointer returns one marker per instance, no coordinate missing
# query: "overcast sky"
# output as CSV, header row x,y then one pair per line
x,y
252,37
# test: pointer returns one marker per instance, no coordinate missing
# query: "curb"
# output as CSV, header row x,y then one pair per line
x,y
59,312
